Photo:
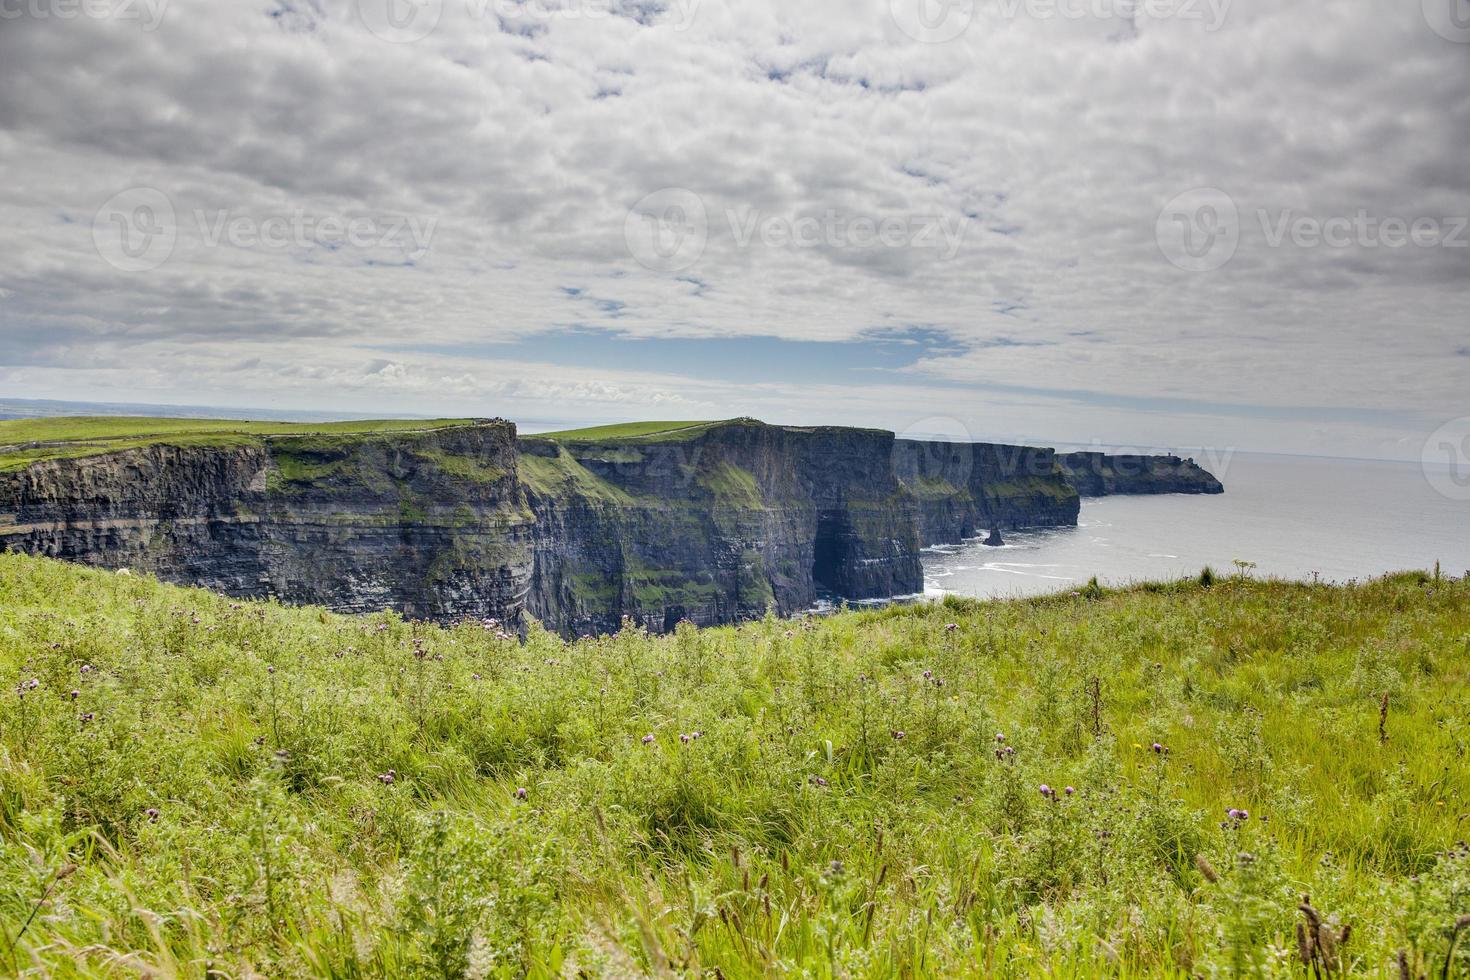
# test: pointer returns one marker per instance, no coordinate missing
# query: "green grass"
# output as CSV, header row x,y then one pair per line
x,y
25,441
648,431
243,789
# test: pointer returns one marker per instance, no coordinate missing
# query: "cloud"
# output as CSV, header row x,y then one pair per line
x,y
1018,171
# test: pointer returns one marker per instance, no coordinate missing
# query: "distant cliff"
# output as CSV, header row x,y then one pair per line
x,y
964,489
709,522
1101,475
433,523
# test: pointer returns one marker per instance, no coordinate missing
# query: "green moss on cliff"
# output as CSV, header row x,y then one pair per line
x,y
26,441
629,430
561,474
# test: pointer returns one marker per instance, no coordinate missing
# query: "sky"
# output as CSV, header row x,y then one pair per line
x,y
1227,224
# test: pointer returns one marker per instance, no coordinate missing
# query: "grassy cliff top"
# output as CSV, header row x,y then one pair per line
x,y
625,431
26,441
644,432
283,792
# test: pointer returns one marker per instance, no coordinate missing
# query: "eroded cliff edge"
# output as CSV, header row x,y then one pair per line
x,y
433,524
712,523
1097,474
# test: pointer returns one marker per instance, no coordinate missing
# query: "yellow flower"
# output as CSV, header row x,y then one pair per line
x,y
1137,746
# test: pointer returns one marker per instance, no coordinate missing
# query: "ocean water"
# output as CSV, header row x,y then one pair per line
x,y
1294,517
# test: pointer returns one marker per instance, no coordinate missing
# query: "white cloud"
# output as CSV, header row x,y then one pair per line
x,y
526,137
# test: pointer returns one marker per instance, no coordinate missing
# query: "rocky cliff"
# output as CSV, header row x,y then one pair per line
x,y
430,523
711,523
716,524
1101,475
963,489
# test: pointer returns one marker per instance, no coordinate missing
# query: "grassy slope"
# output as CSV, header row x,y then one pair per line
x,y
25,441
220,778
628,430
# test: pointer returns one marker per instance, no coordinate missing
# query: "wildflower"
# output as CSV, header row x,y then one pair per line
x,y
75,694
1000,737
686,739
474,677
87,668
1138,747
899,736
817,781
270,669
87,716
152,814
1010,750
388,777
1046,790
1069,791
1159,748
648,739
951,627
521,792
928,675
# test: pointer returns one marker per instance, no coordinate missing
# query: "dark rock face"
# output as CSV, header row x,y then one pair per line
x,y
726,523
1100,475
742,519
963,488
433,524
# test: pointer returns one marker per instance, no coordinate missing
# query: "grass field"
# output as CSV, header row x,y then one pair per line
x,y
25,441
628,430
1128,784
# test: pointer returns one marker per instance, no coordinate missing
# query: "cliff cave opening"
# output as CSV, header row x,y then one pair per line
x,y
829,551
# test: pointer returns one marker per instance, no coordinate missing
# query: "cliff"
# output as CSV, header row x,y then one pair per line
x,y
709,522
1100,475
430,523
963,489
715,524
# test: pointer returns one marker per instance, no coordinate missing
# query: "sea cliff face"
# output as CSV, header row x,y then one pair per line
x,y
726,524
964,489
1101,475
711,523
432,524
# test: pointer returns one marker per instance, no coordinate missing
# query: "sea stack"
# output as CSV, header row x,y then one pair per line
x,y
994,541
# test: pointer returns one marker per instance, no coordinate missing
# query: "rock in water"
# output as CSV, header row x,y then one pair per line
x,y
994,541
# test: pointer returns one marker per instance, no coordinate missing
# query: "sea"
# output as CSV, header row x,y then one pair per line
x,y
1289,517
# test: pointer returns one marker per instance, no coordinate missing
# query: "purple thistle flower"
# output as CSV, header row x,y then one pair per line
x,y
1158,748
1069,791
521,792
152,814
817,781
1000,737
1045,790
686,739
928,675
951,627
899,736
648,739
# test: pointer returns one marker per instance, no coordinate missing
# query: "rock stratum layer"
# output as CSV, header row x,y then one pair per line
x,y
710,523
